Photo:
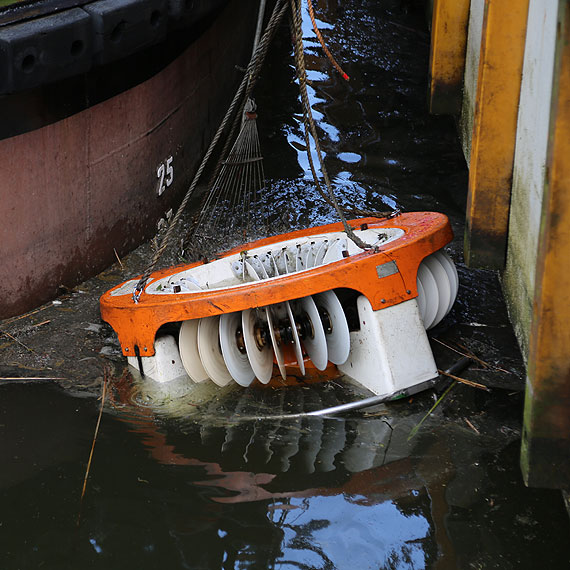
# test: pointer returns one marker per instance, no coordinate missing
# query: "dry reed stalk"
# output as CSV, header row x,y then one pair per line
x,y
103,394
465,381
118,258
485,364
30,378
470,354
467,353
18,341
471,426
25,315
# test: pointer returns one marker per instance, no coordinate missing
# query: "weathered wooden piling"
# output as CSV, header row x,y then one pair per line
x,y
447,56
494,132
546,436
514,123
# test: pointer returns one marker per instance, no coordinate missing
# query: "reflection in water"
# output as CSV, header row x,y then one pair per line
x,y
199,493
383,150
221,425
329,488
338,492
341,532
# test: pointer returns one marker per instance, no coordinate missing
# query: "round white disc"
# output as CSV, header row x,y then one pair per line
x,y
188,346
274,263
316,346
261,360
421,299
237,362
251,271
296,339
431,292
338,340
311,255
276,347
443,286
451,271
210,352
321,251
334,251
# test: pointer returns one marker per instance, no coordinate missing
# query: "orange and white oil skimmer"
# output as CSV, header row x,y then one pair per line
x,y
304,301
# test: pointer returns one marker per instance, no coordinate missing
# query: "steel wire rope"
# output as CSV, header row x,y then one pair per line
x,y
240,172
257,176
247,172
245,88
245,152
219,188
198,218
204,210
228,179
259,186
246,179
354,211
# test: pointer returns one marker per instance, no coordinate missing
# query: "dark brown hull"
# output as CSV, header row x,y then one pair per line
x,y
75,191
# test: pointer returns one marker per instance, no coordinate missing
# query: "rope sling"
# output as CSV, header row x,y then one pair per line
x,y
238,179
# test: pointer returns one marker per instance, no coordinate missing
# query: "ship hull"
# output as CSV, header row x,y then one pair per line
x,y
77,192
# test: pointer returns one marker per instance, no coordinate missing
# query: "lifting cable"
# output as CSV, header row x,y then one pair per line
x,y
238,104
309,123
244,91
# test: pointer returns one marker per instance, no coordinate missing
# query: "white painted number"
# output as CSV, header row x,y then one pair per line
x,y
160,174
165,181
169,171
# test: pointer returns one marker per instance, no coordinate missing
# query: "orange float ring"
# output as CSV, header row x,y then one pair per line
x,y
385,274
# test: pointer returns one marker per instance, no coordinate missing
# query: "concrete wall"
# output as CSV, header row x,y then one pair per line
x,y
529,165
476,12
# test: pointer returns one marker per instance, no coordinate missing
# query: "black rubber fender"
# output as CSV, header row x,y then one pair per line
x,y
185,13
41,49
123,27
45,50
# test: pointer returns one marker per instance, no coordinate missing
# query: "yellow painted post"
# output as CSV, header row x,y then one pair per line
x,y
447,55
545,457
494,132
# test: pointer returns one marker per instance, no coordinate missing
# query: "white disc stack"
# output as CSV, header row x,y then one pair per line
x,y
438,284
245,345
